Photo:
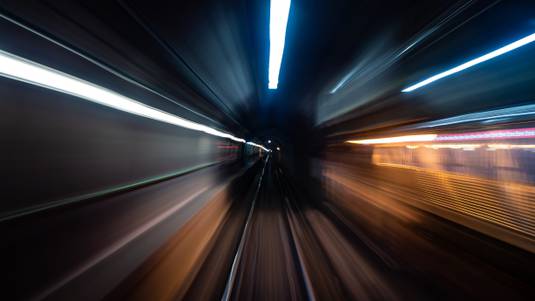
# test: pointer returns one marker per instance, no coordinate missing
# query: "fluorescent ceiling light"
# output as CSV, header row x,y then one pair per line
x,y
17,68
481,59
278,18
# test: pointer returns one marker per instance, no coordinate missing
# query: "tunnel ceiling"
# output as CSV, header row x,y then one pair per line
x,y
344,65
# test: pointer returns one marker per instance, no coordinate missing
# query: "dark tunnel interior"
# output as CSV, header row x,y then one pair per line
x,y
267,150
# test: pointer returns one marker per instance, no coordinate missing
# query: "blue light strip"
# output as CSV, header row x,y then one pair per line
x,y
278,19
471,63
526,111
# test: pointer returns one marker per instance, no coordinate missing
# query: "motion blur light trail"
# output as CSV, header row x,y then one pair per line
x,y
498,135
493,183
24,70
526,111
485,135
259,146
278,19
147,155
510,47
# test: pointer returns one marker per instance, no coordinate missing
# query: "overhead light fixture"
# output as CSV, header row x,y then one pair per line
x,y
471,63
278,19
20,69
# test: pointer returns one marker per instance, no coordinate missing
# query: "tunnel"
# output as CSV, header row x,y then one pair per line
x,y
267,150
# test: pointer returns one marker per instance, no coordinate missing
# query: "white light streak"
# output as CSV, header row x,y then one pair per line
x,y
20,69
523,133
259,146
489,135
471,63
278,19
453,146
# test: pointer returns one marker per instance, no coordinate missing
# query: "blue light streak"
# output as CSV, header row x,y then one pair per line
x,y
471,63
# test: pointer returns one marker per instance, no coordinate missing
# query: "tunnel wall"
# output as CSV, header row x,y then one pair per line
x,y
56,146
